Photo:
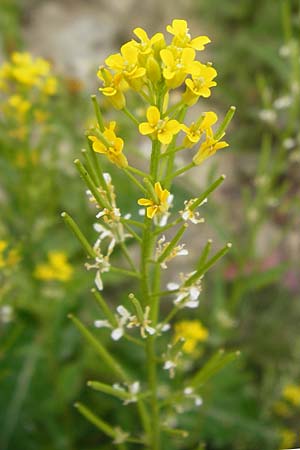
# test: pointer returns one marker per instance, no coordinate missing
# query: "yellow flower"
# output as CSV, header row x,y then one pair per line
x,y
158,206
50,86
162,129
208,148
19,104
57,268
28,71
199,85
113,87
127,63
193,332
11,257
182,38
291,392
147,45
178,63
282,409
288,438
114,151
196,129
3,245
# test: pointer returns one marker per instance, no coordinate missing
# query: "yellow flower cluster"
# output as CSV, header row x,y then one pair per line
x,y
291,393
8,258
288,438
149,63
152,68
27,72
193,332
25,84
57,268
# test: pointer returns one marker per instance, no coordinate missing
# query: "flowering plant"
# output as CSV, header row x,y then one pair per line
x,y
152,69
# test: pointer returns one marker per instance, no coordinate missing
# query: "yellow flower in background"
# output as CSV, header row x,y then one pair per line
x,y
113,87
178,64
282,409
291,392
158,206
29,72
196,129
50,86
162,129
193,332
200,84
208,148
182,38
57,268
113,151
288,438
8,258
19,104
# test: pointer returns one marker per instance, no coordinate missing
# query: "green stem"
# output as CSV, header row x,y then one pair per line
x,y
178,172
155,159
78,233
131,116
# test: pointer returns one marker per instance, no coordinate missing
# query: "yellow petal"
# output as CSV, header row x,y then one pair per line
x,y
145,202
141,34
165,137
173,126
153,115
158,189
145,128
167,57
199,42
151,211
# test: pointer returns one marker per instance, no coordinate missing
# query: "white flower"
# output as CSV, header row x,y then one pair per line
x,y
179,250
267,115
122,318
188,296
133,390
6,314
121,436
283,102
189,392
189,214
171,358
143,324
289,143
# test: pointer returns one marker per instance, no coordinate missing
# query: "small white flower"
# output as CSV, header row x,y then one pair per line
x,y
283,102
189,214
121,436
289,143
6,314
133,390
285,51
171,358
189,392
179,250
123,317
267,115
188,296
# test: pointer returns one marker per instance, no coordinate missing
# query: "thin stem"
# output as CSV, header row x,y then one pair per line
x,y
178,172
155,159
125,272
131,116
135,181
127,256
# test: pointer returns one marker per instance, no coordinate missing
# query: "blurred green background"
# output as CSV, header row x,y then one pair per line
x,y
251,300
